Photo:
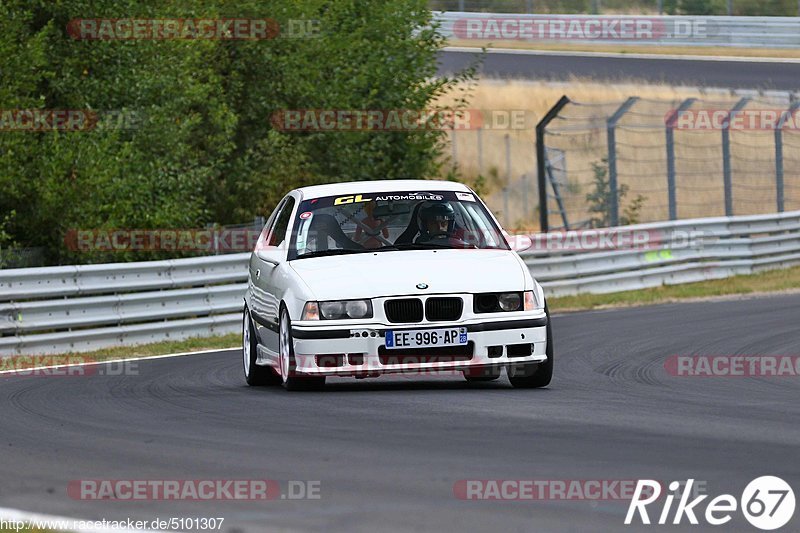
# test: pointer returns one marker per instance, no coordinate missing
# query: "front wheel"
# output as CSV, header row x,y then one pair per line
x,y
254,374
534,375
289,378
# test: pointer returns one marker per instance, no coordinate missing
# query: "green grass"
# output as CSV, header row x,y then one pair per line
x,y
194,344
764,282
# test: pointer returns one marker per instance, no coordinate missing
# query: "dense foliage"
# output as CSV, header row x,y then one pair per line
x,y
189,138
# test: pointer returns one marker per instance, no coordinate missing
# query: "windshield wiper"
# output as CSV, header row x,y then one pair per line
x,y
422,246
335,251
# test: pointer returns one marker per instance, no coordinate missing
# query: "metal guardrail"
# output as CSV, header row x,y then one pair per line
x,y
81,308
760,32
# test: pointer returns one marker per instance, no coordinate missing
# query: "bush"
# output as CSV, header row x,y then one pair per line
x,y
599,200
202,147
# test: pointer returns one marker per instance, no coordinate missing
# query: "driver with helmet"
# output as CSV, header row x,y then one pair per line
x,y
436,221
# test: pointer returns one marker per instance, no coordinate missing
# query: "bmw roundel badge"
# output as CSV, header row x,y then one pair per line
x,y
422,286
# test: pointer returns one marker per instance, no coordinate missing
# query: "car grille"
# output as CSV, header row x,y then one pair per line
x,y
412,356
441,309
404,310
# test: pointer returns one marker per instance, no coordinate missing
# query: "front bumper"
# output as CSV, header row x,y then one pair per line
x,y
360,350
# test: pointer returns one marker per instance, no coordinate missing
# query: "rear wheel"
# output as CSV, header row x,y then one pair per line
x,y
254,374
289,378
534,375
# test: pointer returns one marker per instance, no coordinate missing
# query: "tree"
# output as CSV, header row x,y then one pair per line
x,y
200,146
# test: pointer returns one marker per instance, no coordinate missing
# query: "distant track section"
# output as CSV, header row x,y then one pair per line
x,y
733,73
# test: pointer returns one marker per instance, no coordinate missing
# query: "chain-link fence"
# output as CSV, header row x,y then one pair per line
x,y
645,160
640,160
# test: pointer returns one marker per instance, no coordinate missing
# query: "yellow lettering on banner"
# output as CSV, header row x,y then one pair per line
x,y
350,199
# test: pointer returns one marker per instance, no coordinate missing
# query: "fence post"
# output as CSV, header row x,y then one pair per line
x,y
525,207
506,191
479,133
461,5
726,155
455,148
611,126
779,153
670,133
540,156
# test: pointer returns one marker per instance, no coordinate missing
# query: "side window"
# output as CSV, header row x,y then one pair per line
x,y
267,229
278,233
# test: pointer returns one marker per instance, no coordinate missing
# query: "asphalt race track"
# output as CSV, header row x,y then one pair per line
x,y
388,451
702,73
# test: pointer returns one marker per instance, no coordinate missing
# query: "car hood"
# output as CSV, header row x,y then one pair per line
x,y
398,273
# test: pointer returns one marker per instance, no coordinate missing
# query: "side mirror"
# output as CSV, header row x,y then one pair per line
x,y
518,243
273,256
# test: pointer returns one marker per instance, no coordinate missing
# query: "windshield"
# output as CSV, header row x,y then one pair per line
x,y
391,221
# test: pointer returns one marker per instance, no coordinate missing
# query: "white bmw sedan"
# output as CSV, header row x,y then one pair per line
x,y
369,278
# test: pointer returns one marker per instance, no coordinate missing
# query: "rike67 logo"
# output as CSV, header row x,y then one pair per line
x,y
767,503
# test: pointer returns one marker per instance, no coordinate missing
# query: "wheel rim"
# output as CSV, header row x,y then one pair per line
x,y
246,344
284,347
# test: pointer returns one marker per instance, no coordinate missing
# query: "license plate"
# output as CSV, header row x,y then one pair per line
x,y
426,338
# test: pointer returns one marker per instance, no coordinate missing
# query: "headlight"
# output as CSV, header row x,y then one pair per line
x,y
509,301
498,302
338,310
332,310
358,309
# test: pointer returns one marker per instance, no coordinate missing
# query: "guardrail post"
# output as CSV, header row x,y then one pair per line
x,y
540,160
670,133
779,153
726,155
611,126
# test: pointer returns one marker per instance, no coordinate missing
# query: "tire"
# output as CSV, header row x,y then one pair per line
x,y
289,378
534,375
255,375
482,373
